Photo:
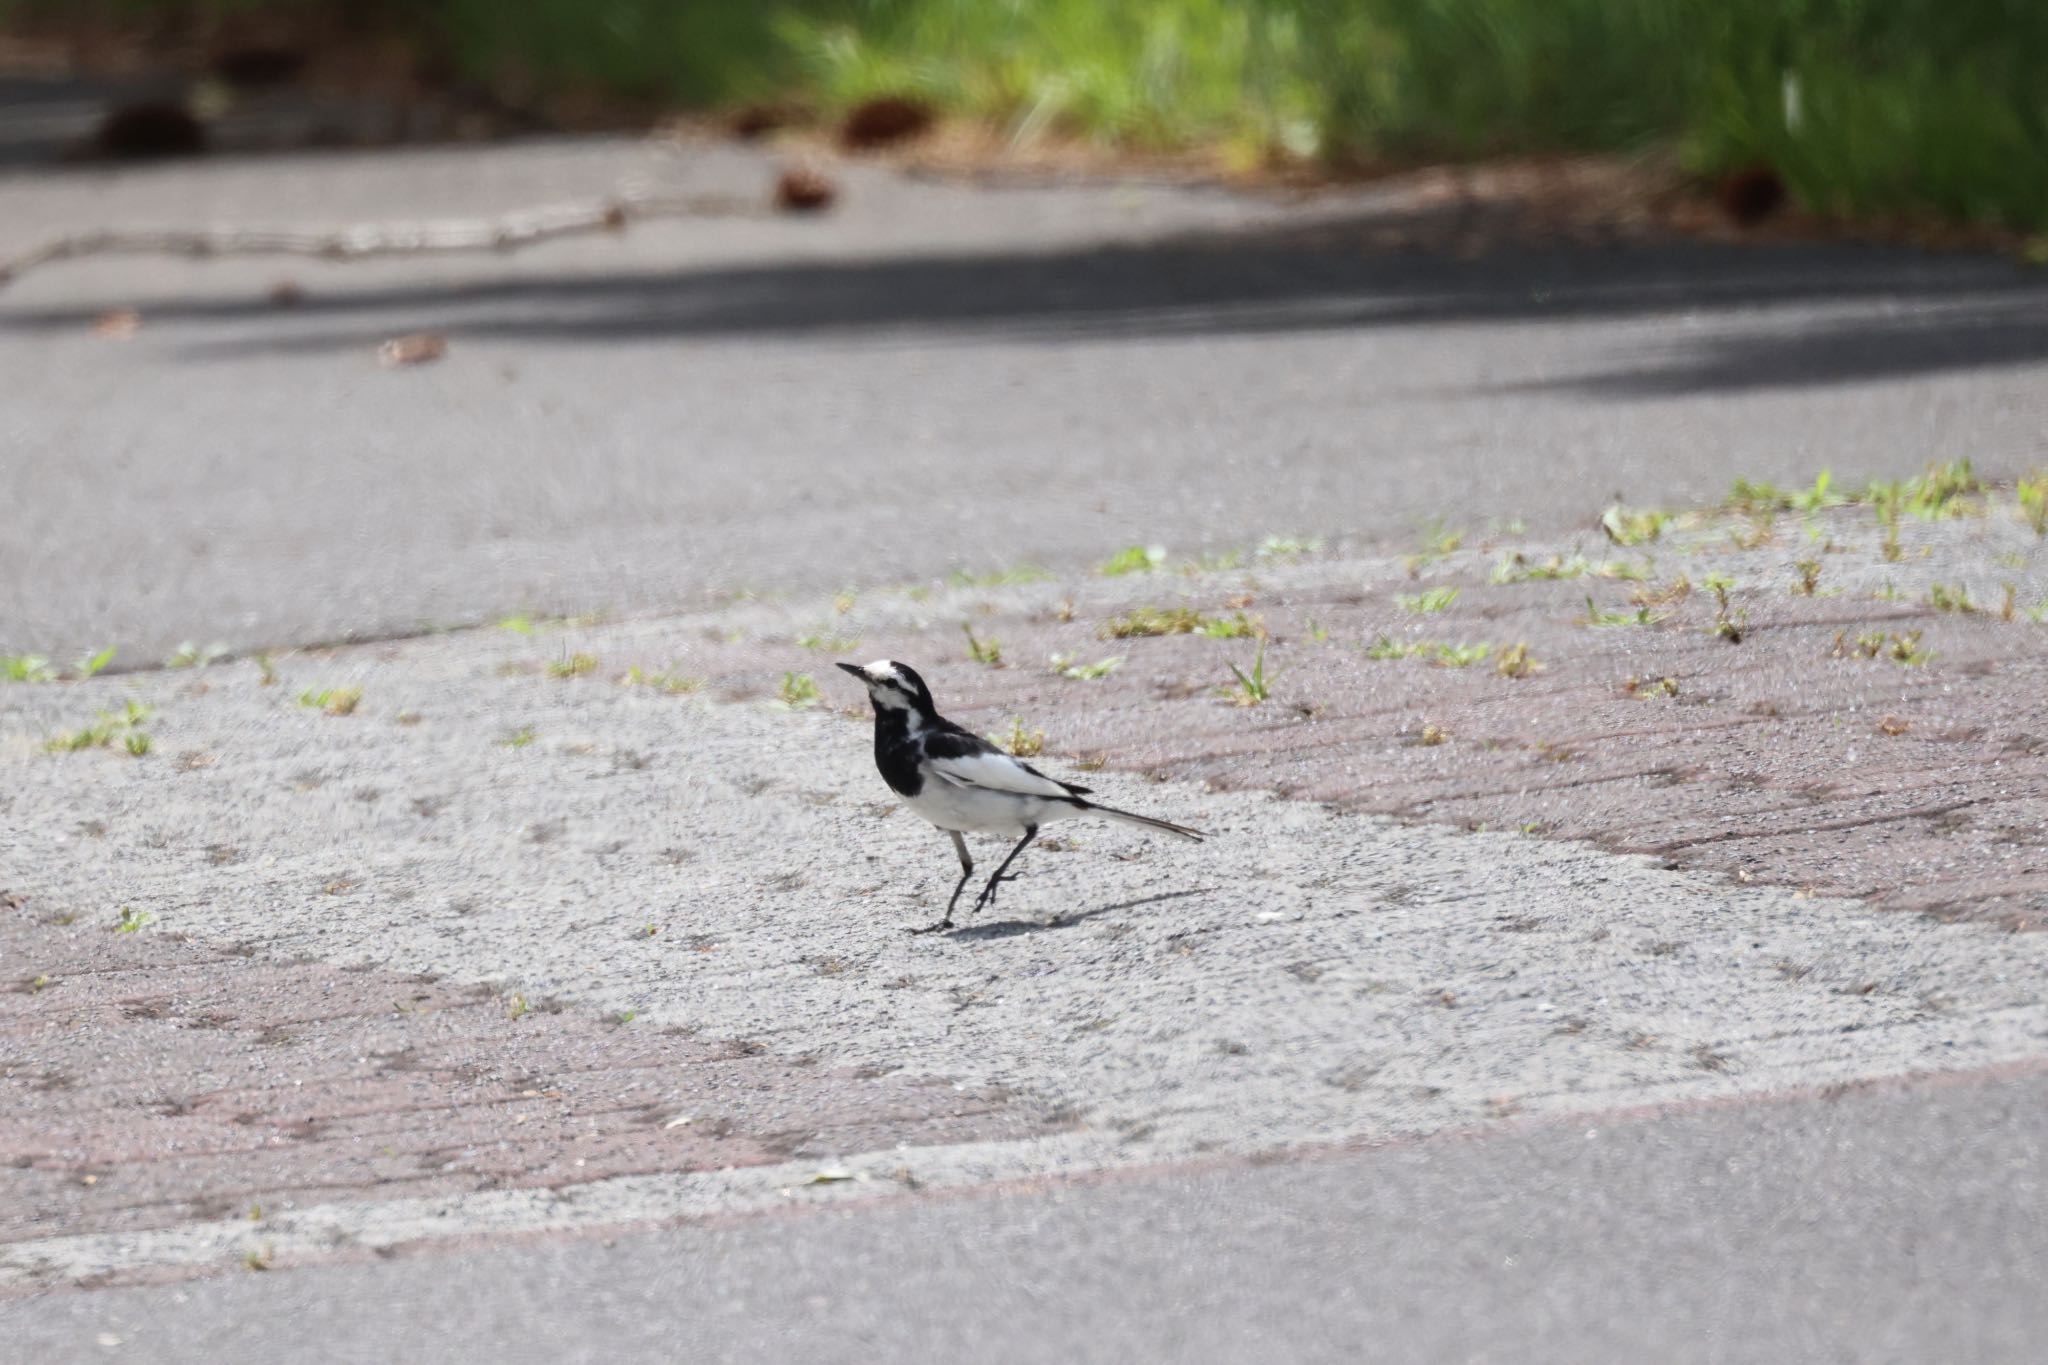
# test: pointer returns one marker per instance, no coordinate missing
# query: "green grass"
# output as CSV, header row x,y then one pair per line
x,y
980,651
1147,621
133,921
26,668
661,680
1641,616
1133,559
1423,603
1909,106
1020,742
1443,654
798,690
2033,500
1252,688
124,725
1901,647
334,701
1518,568
572,666
190,655
1633,526
1072,668
1000,578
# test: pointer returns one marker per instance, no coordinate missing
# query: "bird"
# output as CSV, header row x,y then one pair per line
x,y
963,784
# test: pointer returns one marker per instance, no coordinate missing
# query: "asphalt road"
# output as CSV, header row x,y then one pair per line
x,y
1902,1224
932,376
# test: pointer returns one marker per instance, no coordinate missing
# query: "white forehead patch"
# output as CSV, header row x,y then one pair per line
x,y
884,670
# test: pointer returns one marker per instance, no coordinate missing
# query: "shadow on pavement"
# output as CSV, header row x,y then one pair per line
x,y
1010,928
1913,312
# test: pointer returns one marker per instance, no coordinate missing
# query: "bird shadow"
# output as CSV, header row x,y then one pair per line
x,y
1011,928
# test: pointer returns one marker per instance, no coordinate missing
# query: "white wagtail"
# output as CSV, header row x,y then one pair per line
x,y
961,782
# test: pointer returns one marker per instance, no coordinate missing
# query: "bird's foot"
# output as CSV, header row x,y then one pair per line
x,y
988,893
945,923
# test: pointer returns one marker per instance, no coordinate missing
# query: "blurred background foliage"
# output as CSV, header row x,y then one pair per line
x,y
1862,107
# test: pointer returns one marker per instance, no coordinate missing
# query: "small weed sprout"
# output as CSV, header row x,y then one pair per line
x,y
517,1008
2033,497
1641,616
1438,542
1809,577
1957,599
1518,568
798,690
124,725
1726,626
518,739
334,701
92,664
133,921
1632,526
266,671
1424,603
1650,689
1144,621
1133,559
1020,743
1068,667
1252,688
989,651
573,666
828,644
26,668
1677,590
1902,648
1749,498
672,683
190,655
1516,662
1291,547
1761,531
1432,735
1001,578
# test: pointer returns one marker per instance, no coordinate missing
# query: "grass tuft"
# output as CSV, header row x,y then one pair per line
x,y
1019,742
989,651
1253,688
124,725
798,690
1068,667
334,701
1424,603
1633,526
1133,559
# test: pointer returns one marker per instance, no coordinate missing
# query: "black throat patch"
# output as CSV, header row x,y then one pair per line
x,y
897,752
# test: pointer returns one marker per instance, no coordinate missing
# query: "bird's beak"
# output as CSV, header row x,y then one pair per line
x,y
854,669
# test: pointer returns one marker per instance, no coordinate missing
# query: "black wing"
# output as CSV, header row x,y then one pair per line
x,y
947,740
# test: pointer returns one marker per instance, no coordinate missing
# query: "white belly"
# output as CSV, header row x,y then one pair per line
x,y
974,808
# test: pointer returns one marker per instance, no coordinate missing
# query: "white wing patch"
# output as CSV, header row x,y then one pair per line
x,y
994,772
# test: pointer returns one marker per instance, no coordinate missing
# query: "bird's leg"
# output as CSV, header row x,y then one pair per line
x,y
988,893
966,871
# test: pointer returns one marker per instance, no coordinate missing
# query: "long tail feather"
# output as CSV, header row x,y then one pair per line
x,y
1145,821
